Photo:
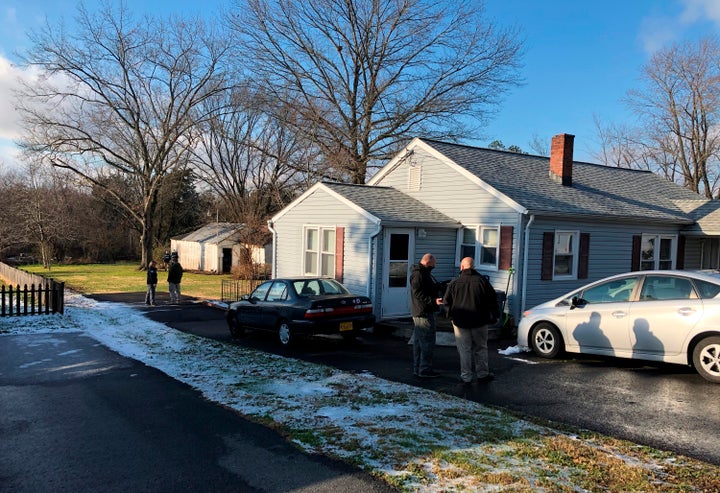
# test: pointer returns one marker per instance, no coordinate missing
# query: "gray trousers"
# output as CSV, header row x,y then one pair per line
x,y
472,348
423,343
174,289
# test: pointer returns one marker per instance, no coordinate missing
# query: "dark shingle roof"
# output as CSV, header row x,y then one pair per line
x,y
390,205
596,190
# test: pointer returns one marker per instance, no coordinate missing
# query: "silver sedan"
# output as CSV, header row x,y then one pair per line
x,y
668,316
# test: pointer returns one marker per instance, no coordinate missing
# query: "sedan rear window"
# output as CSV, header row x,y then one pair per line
x,y
707,289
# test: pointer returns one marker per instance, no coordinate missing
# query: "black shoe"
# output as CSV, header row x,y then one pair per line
x,y
429,374
486,378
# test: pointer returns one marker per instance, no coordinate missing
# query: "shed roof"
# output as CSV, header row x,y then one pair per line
x,y
213,233
596,190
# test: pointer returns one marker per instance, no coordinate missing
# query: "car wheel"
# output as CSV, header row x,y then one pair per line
x,y
236,329
285,334
706,359
545,340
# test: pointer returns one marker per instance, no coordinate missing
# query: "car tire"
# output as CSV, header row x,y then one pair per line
x,y
236,328
285,334
545,340
706,358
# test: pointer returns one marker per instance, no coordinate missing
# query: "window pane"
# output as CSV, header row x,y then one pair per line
x,y
311,242
469,236
490,237
311,259
563,265
467,251
328,265
328,240
563,243
648,248
398,274
488,255
665,248
399,246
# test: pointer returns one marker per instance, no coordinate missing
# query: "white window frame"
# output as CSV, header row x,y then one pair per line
x,y
656,251
479,230
320,253
574,252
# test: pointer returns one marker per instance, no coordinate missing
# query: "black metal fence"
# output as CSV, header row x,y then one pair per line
x,y
233,289
34,300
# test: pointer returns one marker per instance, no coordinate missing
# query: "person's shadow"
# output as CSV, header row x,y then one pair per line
x,y
590,335
645,340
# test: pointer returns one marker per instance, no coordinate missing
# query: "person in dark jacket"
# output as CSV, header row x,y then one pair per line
x,y
175,273
152,279
471,303
425,302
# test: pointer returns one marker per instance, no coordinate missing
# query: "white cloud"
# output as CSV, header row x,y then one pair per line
x,y
699,11
691,17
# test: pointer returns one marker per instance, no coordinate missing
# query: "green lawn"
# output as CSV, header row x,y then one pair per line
x,y
125,278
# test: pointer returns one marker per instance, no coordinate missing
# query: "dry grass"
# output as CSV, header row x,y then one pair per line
x,y
126,278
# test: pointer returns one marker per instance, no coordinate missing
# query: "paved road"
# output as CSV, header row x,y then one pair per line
x,y
665,406
77,417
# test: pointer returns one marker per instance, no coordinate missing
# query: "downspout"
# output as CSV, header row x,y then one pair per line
x,y
274,248
525,263
371,239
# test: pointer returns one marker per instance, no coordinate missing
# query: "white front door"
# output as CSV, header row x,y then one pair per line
x,y
399,245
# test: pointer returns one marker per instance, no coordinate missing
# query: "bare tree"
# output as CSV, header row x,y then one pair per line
x,y
367,75
118,99
254,162
679,111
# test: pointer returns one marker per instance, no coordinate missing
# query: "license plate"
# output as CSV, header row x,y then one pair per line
x,y
344,326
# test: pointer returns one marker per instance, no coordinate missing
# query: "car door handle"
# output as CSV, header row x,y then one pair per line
x,y
618,314
686,311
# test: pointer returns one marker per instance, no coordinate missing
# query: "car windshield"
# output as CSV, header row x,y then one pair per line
x,y
313,287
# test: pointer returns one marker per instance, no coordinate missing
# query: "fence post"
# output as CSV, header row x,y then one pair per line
x,y
17,300
3,300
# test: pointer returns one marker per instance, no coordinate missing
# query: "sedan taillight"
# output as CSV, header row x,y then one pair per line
x,y
337,311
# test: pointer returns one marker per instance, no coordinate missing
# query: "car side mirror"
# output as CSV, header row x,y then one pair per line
x,y
576,301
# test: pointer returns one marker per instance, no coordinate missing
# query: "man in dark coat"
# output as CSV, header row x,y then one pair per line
x,y
152,279
472,305
175,273
425,302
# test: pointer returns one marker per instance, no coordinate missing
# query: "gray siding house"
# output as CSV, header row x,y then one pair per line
x,y
537,226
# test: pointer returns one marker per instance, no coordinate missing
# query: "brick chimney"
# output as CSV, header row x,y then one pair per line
x,y
561,159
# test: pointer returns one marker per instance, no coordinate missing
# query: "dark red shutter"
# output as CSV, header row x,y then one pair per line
x,y
506,239
339,252
548,252
584,255
636,246
680,261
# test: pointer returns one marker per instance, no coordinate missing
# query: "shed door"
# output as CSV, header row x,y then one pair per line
x,y
399,245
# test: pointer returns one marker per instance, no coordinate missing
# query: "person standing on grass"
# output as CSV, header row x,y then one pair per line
x,y
175,273
471,303
425,303
152,279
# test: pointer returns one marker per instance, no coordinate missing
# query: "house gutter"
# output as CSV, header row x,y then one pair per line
x,y
525,263
274,248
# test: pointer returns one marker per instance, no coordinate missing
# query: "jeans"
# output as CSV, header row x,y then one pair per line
x,y
174,289
424,343
150,295
472,348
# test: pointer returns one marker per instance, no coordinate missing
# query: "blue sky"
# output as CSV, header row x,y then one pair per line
x,y
580,58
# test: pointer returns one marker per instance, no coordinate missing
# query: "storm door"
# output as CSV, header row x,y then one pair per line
x,y
399,245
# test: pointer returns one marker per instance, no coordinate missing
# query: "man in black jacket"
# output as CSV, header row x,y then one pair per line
x,y
425,302
472,305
